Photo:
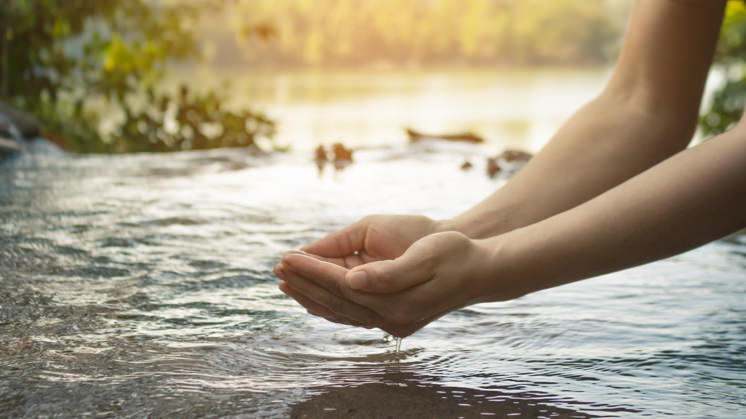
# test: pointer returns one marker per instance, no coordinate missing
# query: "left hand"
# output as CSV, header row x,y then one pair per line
x,y
437,274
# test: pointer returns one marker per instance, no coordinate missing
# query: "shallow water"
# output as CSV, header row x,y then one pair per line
x,y
141,285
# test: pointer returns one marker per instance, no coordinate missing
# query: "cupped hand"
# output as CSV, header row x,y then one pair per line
x,y
437,274
373,238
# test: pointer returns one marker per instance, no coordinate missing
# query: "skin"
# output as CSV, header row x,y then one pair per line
x,y
629,194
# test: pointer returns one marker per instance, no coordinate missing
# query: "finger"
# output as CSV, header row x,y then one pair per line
x,y
378,315
322,273
279,270
345,262
340,243
331,278
314,308
331,302
414,267
311,306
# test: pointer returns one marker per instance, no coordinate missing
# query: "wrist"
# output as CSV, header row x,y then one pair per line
x,y
502,278
447,224
479,223
486,227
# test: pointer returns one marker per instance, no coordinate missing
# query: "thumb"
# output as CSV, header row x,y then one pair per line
x,y
390,276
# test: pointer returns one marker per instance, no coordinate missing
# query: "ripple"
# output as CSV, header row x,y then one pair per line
x,y
125,293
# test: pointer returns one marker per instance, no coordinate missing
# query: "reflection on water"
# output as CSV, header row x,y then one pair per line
x,y
518,108
141,285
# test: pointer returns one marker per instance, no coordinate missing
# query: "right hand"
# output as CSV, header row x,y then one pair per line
x,y
371,239
437,274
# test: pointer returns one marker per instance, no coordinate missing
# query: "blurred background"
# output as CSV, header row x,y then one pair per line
x,y
141,284
165,75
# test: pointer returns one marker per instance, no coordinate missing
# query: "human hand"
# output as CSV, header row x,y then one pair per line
x,y
437,274
373,238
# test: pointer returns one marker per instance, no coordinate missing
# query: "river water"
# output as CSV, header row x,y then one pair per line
x,y
141,285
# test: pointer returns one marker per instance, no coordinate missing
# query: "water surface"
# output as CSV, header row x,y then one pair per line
x,y
141,285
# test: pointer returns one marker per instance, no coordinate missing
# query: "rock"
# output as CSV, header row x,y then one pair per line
x,y
15,124
493,167
515,155
320,154
9,147
340,157
507,163
469,137
341,153
466,165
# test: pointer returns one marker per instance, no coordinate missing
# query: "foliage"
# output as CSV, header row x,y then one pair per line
x,y
354,32
728,101
198,122
74,63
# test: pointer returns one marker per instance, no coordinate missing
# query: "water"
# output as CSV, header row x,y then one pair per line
x,y
141,285
514,107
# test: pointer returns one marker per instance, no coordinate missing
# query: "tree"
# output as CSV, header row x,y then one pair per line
x,y
65,61
727,103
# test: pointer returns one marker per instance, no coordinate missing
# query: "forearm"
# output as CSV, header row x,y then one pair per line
x,y
647,113
605,143
688,200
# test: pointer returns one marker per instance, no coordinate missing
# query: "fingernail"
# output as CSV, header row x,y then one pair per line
x,y
358,280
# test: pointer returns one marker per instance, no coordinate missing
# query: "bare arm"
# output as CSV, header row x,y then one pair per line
x,y
647,113
690,199
603,195
687,200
